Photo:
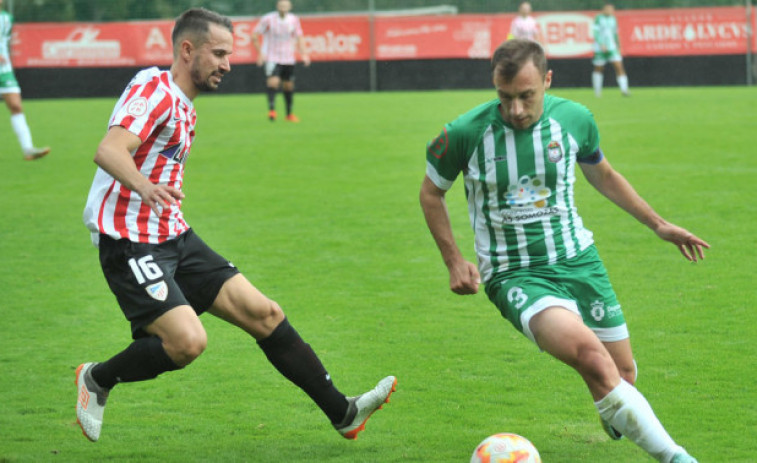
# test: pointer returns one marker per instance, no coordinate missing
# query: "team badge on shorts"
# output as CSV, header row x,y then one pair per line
x,y
554,151
598,310
158,291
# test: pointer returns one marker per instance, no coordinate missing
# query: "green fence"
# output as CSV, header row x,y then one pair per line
x,y
118,10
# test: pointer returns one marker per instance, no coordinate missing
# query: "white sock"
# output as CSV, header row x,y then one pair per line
x,y
18,121
630,413
596,80
623,83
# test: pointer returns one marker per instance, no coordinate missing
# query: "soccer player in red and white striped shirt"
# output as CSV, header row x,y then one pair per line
x,y
524,26
162,274
281,32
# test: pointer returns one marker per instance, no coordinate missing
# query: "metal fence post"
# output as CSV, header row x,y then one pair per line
x,y
750,70
373,78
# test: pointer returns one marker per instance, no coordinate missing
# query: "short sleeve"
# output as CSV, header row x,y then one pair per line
x,y
298,29
589,143
262,26
146,107
445,157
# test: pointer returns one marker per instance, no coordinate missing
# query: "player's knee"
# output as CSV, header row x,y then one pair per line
x,y
595,363
15,108
628,372
265,320
273,313
186,348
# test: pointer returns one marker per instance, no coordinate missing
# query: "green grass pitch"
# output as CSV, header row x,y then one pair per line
x,y
323,217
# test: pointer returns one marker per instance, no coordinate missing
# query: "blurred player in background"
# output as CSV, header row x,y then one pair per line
x,y
607,48
518,155
11,91
281,33
524,26
162,274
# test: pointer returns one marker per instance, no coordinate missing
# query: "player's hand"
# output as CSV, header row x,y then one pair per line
x,y
261,59
691,246
158,197
306,60
464,278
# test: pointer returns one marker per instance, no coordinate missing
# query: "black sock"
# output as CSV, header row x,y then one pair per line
x,y
296,360
271,92
144,359
288,99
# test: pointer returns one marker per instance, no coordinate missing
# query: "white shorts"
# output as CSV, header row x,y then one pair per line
x,y
602,57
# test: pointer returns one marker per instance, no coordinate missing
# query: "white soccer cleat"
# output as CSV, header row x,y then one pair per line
x,y
90,403
35,153
683,458
362,407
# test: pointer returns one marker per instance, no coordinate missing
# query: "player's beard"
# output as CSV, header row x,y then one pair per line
x,y
205,84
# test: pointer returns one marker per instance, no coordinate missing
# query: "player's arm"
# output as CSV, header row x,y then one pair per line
x,y
599,39
114,157
302,50
3,58
617,189
257,44
463,275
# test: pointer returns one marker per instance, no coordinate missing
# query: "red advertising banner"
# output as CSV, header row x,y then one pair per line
x,y
149,42
429,37
686,31
706,31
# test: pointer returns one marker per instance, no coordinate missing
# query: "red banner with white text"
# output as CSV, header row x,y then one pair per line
x,y
670,32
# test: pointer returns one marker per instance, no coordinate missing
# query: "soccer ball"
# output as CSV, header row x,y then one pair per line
x,y
505,448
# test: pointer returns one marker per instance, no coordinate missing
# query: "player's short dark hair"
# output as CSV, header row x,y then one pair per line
x,y
512,55
195,23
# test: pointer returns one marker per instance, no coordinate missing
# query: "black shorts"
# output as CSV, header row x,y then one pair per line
x,y
151,279
284,72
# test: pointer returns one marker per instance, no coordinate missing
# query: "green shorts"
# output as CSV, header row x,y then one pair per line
x,y
580,285
8,83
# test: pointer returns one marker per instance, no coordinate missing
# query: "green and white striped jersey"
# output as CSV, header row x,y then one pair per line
x,y
6,24
518,183
605,33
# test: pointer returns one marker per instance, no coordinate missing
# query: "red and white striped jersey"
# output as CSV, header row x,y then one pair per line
x,y
279,36
525,28
155,109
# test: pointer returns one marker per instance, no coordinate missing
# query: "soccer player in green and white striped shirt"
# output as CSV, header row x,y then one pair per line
x,y
607,48
11,92
518,156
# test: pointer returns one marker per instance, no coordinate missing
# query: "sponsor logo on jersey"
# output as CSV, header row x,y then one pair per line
x,y
528,214
528,192
175,153
158,291
554,151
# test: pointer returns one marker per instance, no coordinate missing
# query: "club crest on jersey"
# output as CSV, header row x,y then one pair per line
x,y
554,151
137,107
158,291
